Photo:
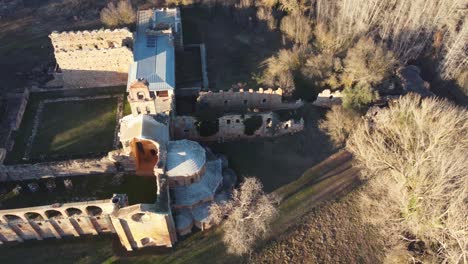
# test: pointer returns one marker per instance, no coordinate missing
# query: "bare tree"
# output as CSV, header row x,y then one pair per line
x,y
414,156
367,63
247,216
407,27
339,124
297,27
280,68
323,70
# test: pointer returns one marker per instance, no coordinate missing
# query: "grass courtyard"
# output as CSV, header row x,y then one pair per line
x,y
68,129
76,127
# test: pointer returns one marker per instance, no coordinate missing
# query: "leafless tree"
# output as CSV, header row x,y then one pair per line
x,y
246,216
339,123
414,155
279,69
407,27
297,27
367,63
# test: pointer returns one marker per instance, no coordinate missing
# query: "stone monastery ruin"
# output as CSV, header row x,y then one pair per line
x,y
189,178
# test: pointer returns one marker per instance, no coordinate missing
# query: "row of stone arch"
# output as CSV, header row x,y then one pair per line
x,y
91,210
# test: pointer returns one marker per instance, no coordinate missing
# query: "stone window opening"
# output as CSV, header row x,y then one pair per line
x,y
140,95
138,110
162,93
237,121
228,121
152,94
331,97
148,110
94,210
286,126
192,180
140,148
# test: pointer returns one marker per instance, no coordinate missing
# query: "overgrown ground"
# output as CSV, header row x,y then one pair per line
x,y
234,52
332,233
279,161
93,187
25,47
73,129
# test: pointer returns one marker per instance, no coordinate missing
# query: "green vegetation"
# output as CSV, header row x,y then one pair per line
x,y
76,128
358,98
92,187
207,128
252,124
83,114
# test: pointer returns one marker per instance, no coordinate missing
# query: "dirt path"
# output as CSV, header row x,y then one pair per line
x,y
329,180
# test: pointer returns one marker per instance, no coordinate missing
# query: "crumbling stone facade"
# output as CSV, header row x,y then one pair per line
x,y
137,226
328,98
263,99
14,105
232,126
92,58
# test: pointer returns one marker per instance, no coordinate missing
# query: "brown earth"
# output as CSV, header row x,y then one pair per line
x,y
331,233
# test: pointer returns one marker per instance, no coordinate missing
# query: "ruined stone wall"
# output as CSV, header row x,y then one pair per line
x,y
232,127
327,98
93,58
115,161
268,99
137,226
56,169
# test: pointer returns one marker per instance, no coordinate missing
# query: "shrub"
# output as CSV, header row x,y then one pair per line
x,y
357,98
252,124
207,128
122,14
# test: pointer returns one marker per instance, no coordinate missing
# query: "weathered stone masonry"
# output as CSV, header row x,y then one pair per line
x,y
92,58
263,99
136,226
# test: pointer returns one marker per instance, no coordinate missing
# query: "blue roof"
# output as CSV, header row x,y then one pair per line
x,y
153,55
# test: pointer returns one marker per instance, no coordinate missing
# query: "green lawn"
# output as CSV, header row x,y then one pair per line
x,y
59,125
76,127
